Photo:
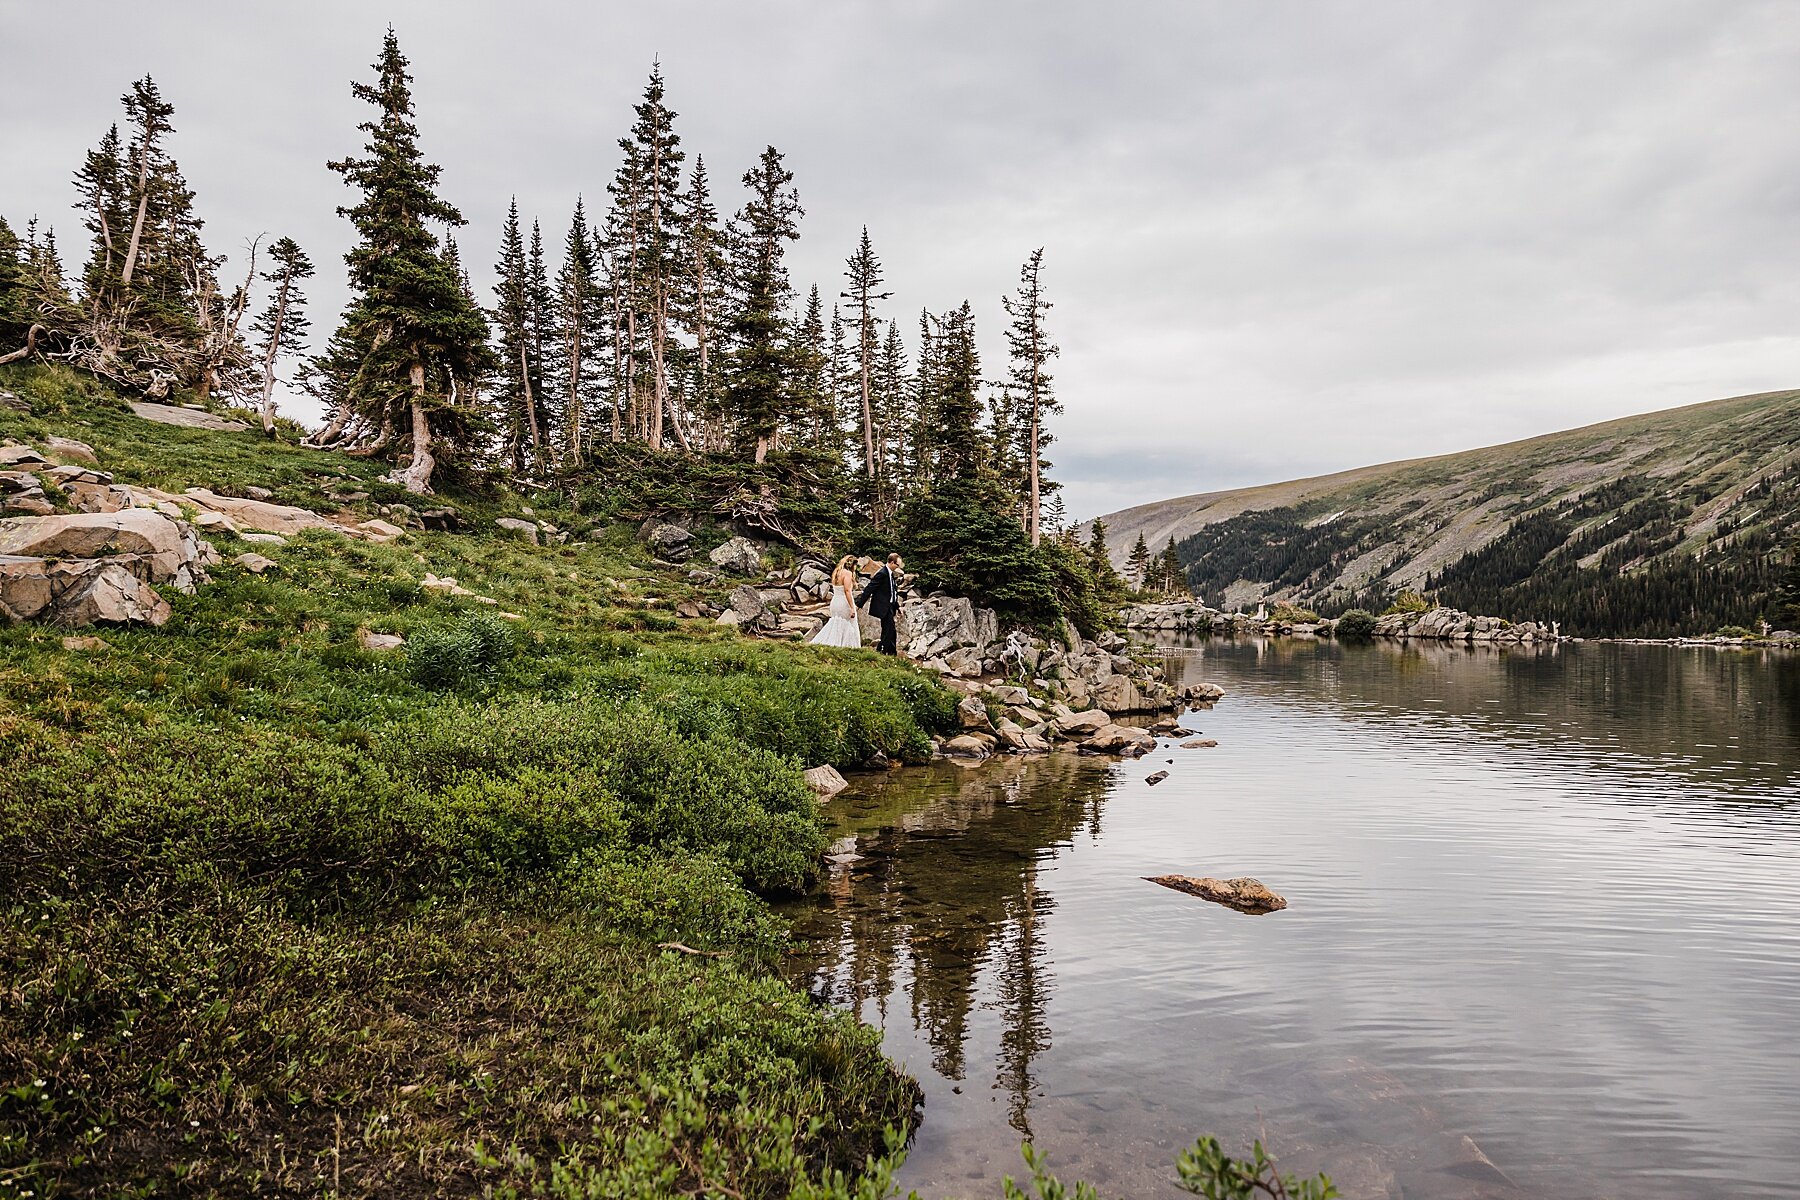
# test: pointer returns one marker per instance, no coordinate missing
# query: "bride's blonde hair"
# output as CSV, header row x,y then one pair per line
x,y
842,563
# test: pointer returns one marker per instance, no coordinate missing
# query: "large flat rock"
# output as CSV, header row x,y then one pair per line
x,y
192,418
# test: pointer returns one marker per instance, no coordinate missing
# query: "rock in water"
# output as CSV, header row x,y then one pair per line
x,y
1245,894
1202,744
1157,778
825,781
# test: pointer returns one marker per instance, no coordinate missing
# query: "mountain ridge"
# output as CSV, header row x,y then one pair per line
x,y
1699,496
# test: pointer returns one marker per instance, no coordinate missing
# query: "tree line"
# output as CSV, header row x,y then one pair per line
x,y
664,320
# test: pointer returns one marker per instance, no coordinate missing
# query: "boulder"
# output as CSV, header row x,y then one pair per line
x,y
1156,778
264,539
1244,894
192,418
825,781
381,531
747,603
442,519
107,592
167,550
214,522
525,529
1083,724
25,587
21,456
739,556
670,543
379,642
967,745
811,579
32,503
971,713
1202,744
254,563
70,450
1202,693
1125,740
83,643
14,401
258,493
1120,694
731,617
257,514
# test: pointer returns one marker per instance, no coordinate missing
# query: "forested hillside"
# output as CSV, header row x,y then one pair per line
x,y
1670,522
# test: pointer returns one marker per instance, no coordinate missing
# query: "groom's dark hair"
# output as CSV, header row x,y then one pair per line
x,y
893,558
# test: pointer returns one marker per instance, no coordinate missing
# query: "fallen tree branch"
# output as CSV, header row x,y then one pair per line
x,y
686,949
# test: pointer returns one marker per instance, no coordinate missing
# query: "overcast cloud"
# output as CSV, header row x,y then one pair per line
x,y
1283,236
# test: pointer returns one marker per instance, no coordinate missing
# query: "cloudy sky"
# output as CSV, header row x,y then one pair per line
x,y
1283,237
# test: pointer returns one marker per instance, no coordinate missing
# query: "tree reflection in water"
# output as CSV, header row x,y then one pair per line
x,y
935,883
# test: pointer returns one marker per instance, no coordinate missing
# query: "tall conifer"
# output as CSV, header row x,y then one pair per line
x,y
760,355
409,329
1031,382
283,324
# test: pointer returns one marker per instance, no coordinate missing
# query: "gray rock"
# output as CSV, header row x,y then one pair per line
x,y
255,563
192,418
825,781
258,493
380,642
525,529
668,542
748,604
21,456
70,450
739,556
971,713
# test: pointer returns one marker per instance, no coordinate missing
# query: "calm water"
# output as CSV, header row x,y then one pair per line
x,y
1543,935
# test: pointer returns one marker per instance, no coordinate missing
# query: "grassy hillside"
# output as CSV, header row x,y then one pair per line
x,y
1669,522
280,915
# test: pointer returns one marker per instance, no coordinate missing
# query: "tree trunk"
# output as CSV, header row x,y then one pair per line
x,y
537,449
417,476
1035,505
266,405
137,224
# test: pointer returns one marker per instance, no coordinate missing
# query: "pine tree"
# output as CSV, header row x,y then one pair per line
x,y
862,270
645,237
757,392
519,373
15,306
283,324
700,305
579,320
893,400
1174,578
952,427
410,330
1055,516
1031,383
814,414
1137,565
541,333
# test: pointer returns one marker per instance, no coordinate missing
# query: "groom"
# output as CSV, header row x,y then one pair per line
x,y
882,595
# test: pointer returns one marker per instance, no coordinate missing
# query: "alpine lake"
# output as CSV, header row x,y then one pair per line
x,y
1543,934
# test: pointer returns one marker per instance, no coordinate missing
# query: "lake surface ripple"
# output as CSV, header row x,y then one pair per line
x,y
1544,934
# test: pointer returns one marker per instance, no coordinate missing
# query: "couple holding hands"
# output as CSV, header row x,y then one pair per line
x,y
881,594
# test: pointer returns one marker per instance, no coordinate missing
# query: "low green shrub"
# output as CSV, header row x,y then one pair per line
x,y
1293,614
460,655
1735,631
1358,624
1407,601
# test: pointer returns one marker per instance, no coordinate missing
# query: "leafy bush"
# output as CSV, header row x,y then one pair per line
x,y
1408,601
1735,631
962,536
1293,614
1358,624
460,655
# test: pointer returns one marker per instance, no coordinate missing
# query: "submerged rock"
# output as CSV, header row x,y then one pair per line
x,y
1202,744
1244,894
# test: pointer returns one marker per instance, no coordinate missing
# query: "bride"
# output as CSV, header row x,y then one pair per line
x,y
842,629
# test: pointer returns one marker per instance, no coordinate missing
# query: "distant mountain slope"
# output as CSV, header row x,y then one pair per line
x,y
1669,522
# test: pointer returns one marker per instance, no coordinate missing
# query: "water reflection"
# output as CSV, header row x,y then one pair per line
x,y
936,882
1544,934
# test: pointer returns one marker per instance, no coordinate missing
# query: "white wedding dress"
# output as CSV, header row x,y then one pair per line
x,y
842,629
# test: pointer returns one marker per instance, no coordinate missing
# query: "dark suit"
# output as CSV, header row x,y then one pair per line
x,y
882,595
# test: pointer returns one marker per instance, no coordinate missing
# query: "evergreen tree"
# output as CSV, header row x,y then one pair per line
x,y
862,270
1787,596
15,304
893,392
814,412
1137,565
646,229
579,321
953,404
410,330
1174,578
519,373
757,391
1055,516
283,325
541,327
1030,382
700,305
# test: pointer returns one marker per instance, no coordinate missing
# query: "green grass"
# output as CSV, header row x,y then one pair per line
x,y
280,915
